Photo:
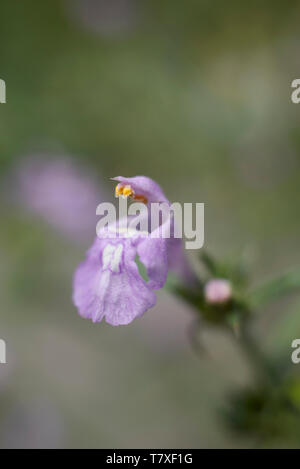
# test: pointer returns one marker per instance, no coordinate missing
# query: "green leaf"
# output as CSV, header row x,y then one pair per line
x,y
274,289
209,263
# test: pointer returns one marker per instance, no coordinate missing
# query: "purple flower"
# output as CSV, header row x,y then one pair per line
x,y
57,190
108,283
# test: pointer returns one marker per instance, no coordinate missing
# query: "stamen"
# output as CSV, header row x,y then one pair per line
x,y
140,198
119,190
124,191
127,191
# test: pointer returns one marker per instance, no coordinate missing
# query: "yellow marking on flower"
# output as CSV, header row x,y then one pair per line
x,y
127,191
119,190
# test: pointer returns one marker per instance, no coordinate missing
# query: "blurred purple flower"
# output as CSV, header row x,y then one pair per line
x,y
60,192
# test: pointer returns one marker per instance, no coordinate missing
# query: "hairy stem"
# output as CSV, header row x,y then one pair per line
x,y
262,366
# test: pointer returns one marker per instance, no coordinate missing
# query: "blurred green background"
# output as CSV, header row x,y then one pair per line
x,y
196,95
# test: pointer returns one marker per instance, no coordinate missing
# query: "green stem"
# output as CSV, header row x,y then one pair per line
x,y
261,365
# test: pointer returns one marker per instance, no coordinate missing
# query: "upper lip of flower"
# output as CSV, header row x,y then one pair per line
x,y
140,189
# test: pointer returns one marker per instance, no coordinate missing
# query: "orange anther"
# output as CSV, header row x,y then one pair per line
x,y
119,190
127,191
140,198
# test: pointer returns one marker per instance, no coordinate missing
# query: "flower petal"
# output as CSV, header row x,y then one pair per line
x,y
178,262
127,297
153,254
104,289
88,289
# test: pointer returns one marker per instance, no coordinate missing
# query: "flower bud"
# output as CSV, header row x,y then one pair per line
x,y
217,291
